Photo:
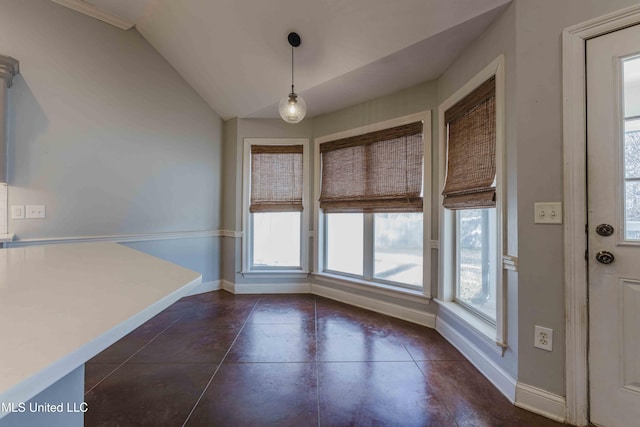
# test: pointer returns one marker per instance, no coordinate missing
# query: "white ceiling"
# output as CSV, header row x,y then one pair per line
x,y
235,53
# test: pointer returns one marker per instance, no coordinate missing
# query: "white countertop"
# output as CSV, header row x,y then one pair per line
x,y
60,305
6,238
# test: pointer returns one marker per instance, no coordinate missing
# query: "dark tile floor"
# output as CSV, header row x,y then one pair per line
x,y
218,359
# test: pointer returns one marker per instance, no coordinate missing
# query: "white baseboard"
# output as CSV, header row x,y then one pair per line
x,y
266,288
541,402
390,309
203,287
228,286
494,373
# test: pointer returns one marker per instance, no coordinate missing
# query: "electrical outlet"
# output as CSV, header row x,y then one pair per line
x,y
543,338
36,211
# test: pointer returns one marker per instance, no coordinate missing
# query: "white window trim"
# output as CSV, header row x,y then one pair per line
x,y
318,216
247,235
446,286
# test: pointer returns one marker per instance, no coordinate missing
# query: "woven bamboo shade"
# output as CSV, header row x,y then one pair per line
x,y
276,178
471,150
376,172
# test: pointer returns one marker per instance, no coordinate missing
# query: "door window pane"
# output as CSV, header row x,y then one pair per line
x,y
345,242
632,212
632,179
475,257
276,239
398,247
632,148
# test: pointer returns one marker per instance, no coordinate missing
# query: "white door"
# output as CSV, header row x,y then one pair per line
x,y
613,165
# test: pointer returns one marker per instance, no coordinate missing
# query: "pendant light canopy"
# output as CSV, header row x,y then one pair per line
x,y
292,107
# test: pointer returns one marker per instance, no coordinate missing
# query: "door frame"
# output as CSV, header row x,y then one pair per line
x,y
575,203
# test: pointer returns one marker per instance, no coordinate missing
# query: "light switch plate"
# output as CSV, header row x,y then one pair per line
x,y
36,212
17,211
548,213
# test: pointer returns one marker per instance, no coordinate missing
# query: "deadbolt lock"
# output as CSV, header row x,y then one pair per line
x,y
604,230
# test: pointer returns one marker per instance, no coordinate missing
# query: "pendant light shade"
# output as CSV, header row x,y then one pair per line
x,y
292,107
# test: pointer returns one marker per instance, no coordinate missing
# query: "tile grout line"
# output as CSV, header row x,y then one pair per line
x,y
432,366
206,387
129,358
315,324
415,362
446,407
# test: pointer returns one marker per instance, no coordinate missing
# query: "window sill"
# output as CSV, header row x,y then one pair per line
x,y
374,287
477,326
275,274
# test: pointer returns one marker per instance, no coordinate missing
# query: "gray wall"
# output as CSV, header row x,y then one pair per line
x,y
231,177
201,254
105,133
538,93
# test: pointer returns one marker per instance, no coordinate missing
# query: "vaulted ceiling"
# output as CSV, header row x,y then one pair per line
x,y
235,53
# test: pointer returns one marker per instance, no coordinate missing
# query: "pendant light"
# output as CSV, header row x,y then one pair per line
x,y
293,108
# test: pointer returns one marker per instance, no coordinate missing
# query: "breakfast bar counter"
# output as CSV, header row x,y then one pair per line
x,y
60,305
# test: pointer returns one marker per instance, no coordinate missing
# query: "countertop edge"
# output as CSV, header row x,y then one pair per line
x,y
40,381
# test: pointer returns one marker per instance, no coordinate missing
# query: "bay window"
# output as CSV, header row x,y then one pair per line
x,y
471,123
275,198
371,208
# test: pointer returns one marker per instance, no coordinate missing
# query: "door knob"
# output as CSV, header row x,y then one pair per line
x,y
604,257
604,230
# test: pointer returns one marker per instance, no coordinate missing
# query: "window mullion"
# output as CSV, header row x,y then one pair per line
x,y
368,246
456,256
250,242
325,246
303,241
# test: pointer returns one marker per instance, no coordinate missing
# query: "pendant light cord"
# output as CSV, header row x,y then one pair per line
x,y
292,108
292,91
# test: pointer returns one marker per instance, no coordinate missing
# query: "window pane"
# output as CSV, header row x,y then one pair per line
x,y
398,247
632,179
276,239
632,212
631,74
632,148
476,260
345,242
